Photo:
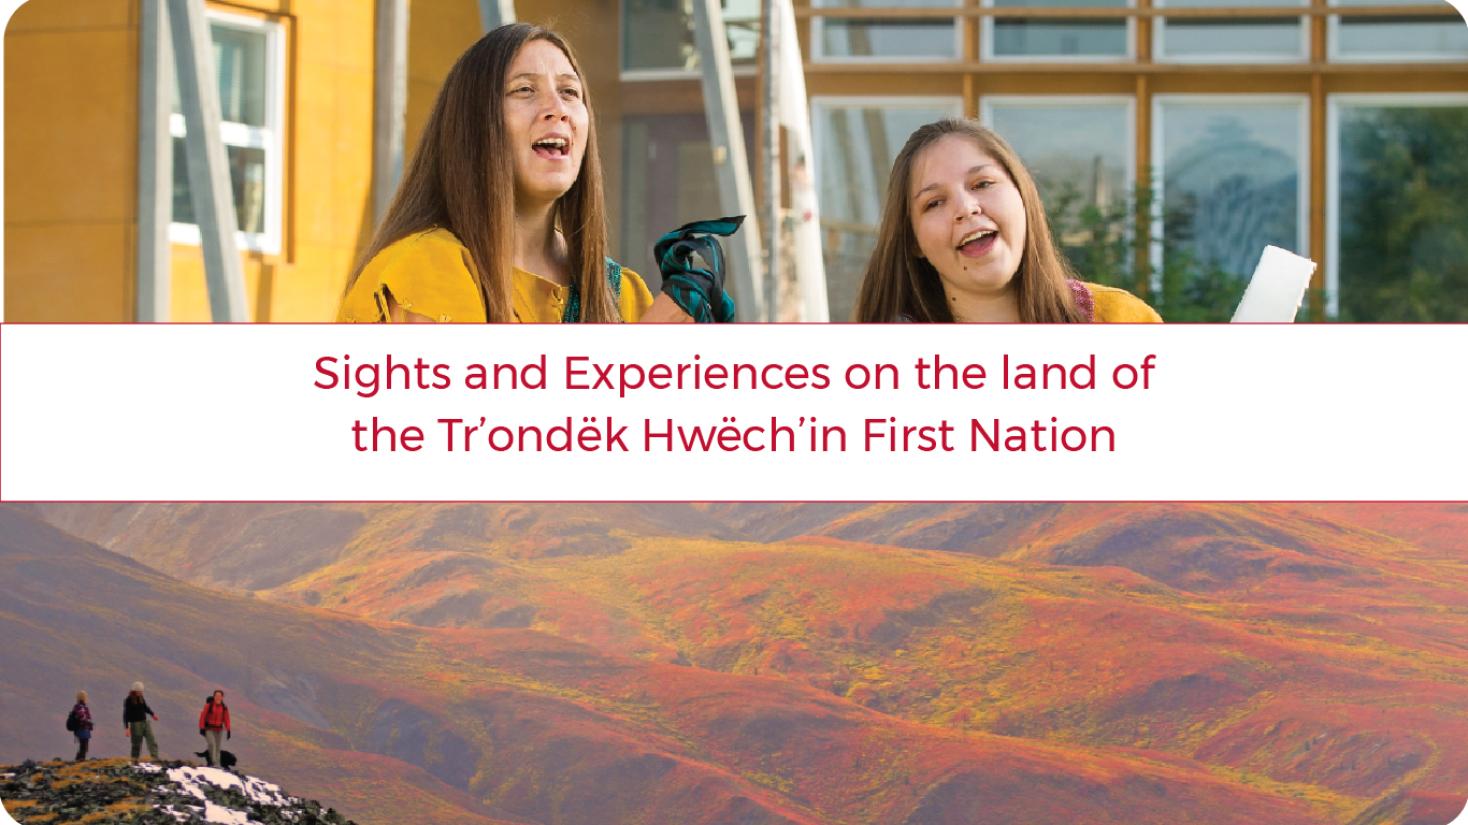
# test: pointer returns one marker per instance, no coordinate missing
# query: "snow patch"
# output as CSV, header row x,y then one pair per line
x,y
191,782
257,790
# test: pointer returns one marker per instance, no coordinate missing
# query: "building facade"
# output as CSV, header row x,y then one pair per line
x,y
1172,139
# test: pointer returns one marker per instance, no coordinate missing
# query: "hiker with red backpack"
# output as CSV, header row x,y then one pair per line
x,y
213,721
79,722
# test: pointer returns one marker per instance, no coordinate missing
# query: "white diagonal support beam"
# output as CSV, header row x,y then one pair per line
x,y
155,164
209,185
726,136
774,215
390,105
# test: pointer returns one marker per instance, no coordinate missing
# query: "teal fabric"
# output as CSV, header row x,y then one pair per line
x,y
572,313
692,265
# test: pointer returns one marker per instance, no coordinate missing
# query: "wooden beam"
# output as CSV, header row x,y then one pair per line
x,y
1128,67
877,15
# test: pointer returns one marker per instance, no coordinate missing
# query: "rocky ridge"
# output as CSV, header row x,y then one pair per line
x,y
166,793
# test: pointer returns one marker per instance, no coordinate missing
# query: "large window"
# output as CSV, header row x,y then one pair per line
x,y
658,38
1231,39
1232,180
906,40
248,57
856,140
1397,38
1056,39
1398,205
1081,152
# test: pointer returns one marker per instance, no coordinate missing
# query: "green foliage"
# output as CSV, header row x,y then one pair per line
x,y
1100,243
1404,228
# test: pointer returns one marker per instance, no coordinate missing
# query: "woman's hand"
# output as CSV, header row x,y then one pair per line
x,y
665,310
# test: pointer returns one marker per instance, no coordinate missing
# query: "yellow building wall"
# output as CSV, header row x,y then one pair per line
x,y
328,167
70,160
71,91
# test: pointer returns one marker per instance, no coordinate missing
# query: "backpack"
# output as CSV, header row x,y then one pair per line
x,y
73,721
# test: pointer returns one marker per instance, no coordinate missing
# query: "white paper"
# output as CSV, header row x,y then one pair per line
x,y
1277,289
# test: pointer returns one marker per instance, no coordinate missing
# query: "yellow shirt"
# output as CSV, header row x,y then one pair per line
x,y
1117,306
432,274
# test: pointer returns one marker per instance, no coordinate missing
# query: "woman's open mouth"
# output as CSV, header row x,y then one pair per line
x,y
552,148
977,244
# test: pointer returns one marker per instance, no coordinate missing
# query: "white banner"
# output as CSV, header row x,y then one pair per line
x,y
733,413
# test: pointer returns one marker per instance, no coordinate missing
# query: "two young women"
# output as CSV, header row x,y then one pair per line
x,y
963,235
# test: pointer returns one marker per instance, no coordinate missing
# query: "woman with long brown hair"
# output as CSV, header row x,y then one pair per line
x,y
964,238
500,214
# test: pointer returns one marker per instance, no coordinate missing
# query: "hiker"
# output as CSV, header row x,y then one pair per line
x,y
214,720
135,713
79,722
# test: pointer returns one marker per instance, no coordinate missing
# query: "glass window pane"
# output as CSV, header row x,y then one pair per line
x,y
1402,245
1399,38
247,180
856,145
1402,38
1280,39
1231,185
668,179
1244,38
240,65
658,34
856,37
1059,37
1079,155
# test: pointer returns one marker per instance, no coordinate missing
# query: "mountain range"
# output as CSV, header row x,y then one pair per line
x,y
773,663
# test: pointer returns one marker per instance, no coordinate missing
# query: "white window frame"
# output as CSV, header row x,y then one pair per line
x,y
1159,163
1333,54
1334,104
818,28
269,138
986,44
638,75
1129,102
1301,55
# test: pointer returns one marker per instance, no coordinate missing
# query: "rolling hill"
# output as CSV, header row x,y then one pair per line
x,y
395,723
1312,653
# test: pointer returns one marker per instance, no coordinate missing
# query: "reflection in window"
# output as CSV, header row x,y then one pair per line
x,y
1234,39
1080,154
249,86
1401,186
1055,37
657,35
1398,38
856,143
246,178
839,37
1231,184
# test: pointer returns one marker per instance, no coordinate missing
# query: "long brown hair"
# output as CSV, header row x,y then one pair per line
x,y
900,284
461,179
